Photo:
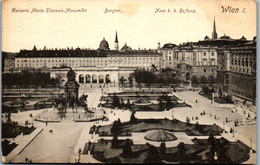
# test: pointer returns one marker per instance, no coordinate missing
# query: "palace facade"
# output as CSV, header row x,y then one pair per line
x,y
231,61
103,57
237,72
198,58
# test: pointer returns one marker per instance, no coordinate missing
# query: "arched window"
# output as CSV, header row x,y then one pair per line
x,y
101,78
204,61
87,78
94,78
107,79
213,61
81,78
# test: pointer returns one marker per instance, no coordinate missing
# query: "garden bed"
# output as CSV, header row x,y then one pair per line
x,y
143,125
200,153
136,101
151,107
7,147
13,129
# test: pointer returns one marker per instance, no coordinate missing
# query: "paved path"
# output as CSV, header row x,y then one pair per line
x,y
23,141
69,136
243,132
60,146
53,147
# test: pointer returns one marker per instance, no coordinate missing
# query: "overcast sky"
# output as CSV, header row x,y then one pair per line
x,y
137,25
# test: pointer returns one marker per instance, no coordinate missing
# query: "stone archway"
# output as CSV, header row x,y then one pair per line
x,y
81,78
63,80
87,77
107,78
187,76
101,78
94,78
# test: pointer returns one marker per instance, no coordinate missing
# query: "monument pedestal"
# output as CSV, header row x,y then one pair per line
x,y
71,93
71,89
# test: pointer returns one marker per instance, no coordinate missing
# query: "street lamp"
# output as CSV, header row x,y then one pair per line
x,y
32,118
172,114
213,99
215,156
224,127
233,132
251,149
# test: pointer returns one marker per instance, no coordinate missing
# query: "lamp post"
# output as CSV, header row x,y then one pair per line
x,y
172,114
224,127
31,118
251,149
213,99
233,132
215,156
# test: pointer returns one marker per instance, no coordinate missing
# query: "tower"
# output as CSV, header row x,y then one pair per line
x,y
159,46
214,33
116,43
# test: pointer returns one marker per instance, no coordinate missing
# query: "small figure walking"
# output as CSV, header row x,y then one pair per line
x,y
26,160
46,123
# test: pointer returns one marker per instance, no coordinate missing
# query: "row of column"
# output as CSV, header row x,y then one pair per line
x,y
93,78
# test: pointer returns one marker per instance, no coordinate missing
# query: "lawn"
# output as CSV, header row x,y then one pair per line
x,y
143,125
151,107
11,130
7,147
200,152
157,101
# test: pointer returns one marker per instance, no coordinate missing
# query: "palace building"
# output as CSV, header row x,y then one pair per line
x,y
237,72
231,61
103,57
198,58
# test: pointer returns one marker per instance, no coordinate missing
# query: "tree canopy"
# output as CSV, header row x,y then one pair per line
x,y
26,78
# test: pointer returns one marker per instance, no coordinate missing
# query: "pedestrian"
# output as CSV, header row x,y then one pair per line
x,y
51,131
26,160
46,123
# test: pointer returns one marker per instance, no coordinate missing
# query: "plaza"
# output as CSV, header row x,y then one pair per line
x,y
149,83
53,146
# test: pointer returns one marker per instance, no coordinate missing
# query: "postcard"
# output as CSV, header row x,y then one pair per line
x,y
127,81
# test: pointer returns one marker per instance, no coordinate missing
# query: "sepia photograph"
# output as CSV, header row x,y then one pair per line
x,y
129,81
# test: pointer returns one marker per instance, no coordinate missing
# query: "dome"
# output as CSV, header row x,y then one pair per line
x,y
103,45
206,38
161,136
243,38
169,46
225,37
126,48
142,100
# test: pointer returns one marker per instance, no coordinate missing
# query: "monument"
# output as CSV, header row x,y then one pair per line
x,y
71,89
